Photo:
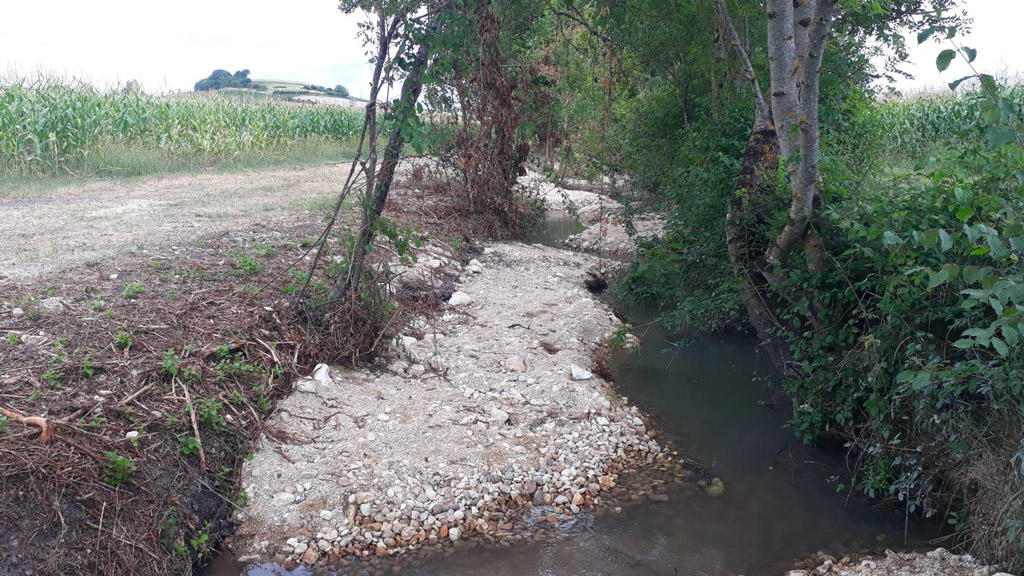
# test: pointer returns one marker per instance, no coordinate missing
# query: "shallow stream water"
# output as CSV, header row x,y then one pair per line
x,y
711,401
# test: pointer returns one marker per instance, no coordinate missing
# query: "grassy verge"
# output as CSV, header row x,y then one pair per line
x,y
122,161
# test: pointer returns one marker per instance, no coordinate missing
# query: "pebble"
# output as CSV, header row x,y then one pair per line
x,y
460,299
17,312
578,373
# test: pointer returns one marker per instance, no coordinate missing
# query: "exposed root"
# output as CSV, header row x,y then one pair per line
x,y
45,429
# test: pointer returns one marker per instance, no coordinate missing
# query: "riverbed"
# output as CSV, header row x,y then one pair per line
x,y
712,399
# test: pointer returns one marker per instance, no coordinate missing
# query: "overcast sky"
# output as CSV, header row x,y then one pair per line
x,y
170,45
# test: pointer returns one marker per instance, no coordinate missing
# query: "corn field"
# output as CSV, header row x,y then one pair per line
x,y
914,122
49,126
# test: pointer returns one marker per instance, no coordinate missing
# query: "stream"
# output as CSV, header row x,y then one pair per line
x,y
711,402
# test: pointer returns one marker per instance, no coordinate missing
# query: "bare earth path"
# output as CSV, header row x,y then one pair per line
x,y
89,221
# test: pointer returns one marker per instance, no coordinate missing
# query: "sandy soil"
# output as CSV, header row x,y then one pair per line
x,y
89,222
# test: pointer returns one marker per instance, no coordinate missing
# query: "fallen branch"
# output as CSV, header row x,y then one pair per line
x,y
45,430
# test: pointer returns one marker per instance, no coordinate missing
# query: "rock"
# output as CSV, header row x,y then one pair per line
x,y
306,385
365,509
326,514
578,373
33,339
516,364
460,299
283,499
17,312
716,487
322,374
658,497
301,547
529,486
131,435
408,342
417,370
454,533
310,556
499,416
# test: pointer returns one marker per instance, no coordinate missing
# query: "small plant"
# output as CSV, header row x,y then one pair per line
x,y
87,370
96,305
3,425
52,377
12,338
188,445
248,264
117,470
132,291
208,411
124,341
201,543
236,398
243,498
170,364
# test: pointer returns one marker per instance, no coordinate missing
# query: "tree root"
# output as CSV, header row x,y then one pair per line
x,y
45,429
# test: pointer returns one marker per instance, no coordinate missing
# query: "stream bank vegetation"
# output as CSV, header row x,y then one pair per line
x,y
875,246
874,243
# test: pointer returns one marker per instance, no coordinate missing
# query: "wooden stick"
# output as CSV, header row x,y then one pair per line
x,y
195,426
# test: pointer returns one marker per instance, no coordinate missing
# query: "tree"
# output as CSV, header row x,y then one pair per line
x,y
341,91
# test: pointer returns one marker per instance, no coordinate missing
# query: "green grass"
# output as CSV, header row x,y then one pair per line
x,y
117,161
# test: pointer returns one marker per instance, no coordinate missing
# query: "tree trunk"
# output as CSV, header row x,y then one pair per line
x,y
412,87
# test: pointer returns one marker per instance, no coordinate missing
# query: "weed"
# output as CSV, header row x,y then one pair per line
x,y
170,364
201,543
3,425
87,369
132,290
188,445
52,377
124,341
12,338
209,413
96,305
248,264
236,398
117,469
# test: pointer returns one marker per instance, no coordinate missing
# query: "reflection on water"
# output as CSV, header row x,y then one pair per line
x,y
554,229
709,398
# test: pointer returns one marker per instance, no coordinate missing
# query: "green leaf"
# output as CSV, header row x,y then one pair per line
x,y
931,238
921,380
944,59
1011,335
964,214
924,35
956,83
936,279
990,112
971,53
1001,347
988,82
946,242
998,136
963,343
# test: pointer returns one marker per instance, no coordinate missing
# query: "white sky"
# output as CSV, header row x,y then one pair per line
x,y
171,45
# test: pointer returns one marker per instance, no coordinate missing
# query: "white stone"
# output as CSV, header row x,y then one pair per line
x,y
306,385
516,364
17,312
578,373
460,299
131,435
322,374
454,533
326,514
